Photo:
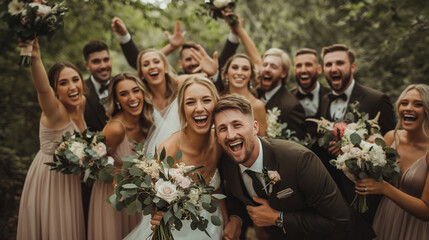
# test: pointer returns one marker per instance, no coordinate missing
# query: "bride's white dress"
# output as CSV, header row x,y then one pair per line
x,y
142,231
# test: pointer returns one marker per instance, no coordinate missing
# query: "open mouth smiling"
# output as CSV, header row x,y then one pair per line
x,y
201,121
235,146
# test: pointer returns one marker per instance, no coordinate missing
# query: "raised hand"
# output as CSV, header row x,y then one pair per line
x,y
176,39
263,215
119,27
227,17
207,64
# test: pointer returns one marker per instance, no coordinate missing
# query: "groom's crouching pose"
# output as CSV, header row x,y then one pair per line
x,y
283,186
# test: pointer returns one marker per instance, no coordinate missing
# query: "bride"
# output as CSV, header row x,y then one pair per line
x,y
196,99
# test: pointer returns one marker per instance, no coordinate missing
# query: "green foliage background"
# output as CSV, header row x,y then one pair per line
x,y
389,36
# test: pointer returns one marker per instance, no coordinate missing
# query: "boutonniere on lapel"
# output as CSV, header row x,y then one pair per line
x,y
271,178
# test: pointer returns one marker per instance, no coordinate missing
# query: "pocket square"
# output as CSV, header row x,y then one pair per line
x,y
284,193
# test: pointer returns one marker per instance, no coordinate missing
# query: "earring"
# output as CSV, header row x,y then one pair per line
x,y
119,105
250,84
226,81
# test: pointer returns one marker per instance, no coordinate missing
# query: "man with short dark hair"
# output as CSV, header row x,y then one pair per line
x,y
299,201
273,92
339,66
309,91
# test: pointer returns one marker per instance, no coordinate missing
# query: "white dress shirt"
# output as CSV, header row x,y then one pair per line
x,y
311,105
257,167
103,95
338,107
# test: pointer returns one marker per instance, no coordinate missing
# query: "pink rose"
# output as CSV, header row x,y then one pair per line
x,y
339,130
100,149
274,176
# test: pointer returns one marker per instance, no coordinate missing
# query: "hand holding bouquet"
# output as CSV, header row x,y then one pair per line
x,y
150,185
364,153
29,19
85,154
215,8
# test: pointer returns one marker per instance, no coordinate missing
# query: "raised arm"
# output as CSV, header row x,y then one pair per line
x,y
129,48
249,45
49,104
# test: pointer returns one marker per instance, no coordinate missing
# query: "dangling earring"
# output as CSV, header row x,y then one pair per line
x,y
226,81
119,105
250,84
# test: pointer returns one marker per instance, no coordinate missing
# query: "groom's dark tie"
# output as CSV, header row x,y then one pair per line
x,y
257,185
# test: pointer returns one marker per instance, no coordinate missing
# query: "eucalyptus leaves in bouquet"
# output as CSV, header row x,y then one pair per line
x,y
150,184
84,154
214,9
29,19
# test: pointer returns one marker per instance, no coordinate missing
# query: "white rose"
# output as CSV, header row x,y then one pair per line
x,y
15,7
42,9
110,160
221,3
100,149
194,195
78,149
184,182
345,149
166,190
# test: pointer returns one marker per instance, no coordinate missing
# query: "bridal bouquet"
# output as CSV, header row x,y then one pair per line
x,y
275,129
150,185
215,8
29,19
364,153
85,154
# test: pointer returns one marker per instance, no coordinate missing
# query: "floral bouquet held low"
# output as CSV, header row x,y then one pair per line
x,y
215,8
84,154
150,185
363,153
29,19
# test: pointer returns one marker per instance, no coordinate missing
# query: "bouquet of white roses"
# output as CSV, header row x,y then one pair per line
x,y
364,153
215,8
85,154
149,185
275,129
32,18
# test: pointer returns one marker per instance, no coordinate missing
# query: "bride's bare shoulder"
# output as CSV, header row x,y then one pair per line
x,y
171,145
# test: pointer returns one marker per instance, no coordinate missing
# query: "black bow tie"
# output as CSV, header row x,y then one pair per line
x,y
103,88
334,97
301,95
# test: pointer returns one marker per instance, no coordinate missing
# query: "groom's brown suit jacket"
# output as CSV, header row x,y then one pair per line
x,y
314,210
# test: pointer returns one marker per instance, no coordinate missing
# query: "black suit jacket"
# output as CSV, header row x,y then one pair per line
x,y
371,101
311,127
291,109
314,210
95,114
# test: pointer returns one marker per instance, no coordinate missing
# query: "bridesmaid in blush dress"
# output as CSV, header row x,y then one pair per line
x,y
403,212
51,202
130,117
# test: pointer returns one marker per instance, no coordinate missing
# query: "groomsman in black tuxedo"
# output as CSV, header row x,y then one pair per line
x,y
273,92
309,91
299,201
339,67
99,64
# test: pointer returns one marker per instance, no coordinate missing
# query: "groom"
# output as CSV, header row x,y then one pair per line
x,y
304,204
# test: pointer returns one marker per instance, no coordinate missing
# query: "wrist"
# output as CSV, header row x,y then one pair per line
x,y
279,220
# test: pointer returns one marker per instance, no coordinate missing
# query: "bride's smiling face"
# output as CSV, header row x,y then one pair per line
x,y
198,108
